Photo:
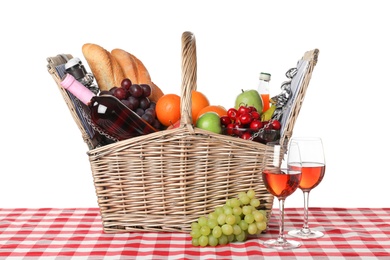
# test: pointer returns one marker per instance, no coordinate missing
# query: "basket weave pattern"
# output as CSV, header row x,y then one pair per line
x,y
165,180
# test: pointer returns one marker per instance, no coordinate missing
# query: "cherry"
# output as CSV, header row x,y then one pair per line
x,y
237,130
245,118
230,129
268,126
243,109
252,109
232,113
255,114
225,120
275,124
256,125
246,135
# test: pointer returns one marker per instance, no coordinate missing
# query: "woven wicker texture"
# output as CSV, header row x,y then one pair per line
x,y
51,67
165,180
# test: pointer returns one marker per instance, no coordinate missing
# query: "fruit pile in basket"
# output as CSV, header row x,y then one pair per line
x,y
246,123
121,75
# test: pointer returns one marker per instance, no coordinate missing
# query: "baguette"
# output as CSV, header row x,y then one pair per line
x,y
136,71
106,69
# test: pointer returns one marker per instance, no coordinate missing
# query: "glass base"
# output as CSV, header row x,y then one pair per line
x,y
305,233
281,244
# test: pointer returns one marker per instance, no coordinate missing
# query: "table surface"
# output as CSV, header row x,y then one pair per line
x,y
35,233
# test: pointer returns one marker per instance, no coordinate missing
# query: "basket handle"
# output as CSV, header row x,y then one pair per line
x,y
188,77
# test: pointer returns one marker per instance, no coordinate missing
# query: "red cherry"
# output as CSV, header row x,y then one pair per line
x,y
230,129
268,126
243,109
246,135
237,129
252,109
255,114
225,120
256,125
245,118
232,113
275,124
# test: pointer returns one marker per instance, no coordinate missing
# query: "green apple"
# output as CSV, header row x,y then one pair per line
x,y
210,121
249,98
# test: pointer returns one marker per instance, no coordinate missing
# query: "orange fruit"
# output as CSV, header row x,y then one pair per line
x,y
220,110
168,109
199,101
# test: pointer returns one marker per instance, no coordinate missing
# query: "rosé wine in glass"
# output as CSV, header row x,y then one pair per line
x,y
281,176
313,170
312,174
280,184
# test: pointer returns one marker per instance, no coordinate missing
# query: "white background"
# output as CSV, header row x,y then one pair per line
x,y
43,157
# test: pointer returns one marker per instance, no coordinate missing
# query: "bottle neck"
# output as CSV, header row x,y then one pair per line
x,y
77,89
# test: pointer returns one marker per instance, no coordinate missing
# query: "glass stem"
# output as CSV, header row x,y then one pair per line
x,y
306,228
281,238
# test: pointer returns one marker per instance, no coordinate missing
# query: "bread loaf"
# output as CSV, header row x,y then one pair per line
x,y
106,69
136,71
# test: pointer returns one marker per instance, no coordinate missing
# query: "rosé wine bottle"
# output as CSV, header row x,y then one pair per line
x,y
108,112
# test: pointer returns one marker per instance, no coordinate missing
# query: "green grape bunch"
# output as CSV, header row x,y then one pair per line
x,y
234,221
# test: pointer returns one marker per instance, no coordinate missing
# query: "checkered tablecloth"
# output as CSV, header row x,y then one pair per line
x,y
55,233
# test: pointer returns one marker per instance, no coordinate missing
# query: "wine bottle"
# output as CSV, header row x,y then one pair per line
x,y
76,68
108,112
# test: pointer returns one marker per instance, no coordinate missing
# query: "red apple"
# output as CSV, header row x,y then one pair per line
x,y
175,125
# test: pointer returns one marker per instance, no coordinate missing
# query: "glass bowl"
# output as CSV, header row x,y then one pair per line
x,y
262,136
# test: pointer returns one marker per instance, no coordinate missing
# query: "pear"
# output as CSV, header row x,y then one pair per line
x,y
267,115
249,97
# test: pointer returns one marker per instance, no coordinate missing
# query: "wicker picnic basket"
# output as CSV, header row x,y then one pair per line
x,y
165,180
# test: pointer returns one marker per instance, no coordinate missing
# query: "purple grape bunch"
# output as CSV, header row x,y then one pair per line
x,y
136,98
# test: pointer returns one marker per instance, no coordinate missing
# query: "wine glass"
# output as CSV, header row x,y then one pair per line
x,y
313,170
281,176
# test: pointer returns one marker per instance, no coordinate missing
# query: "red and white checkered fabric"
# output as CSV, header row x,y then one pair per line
x,y
352,233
